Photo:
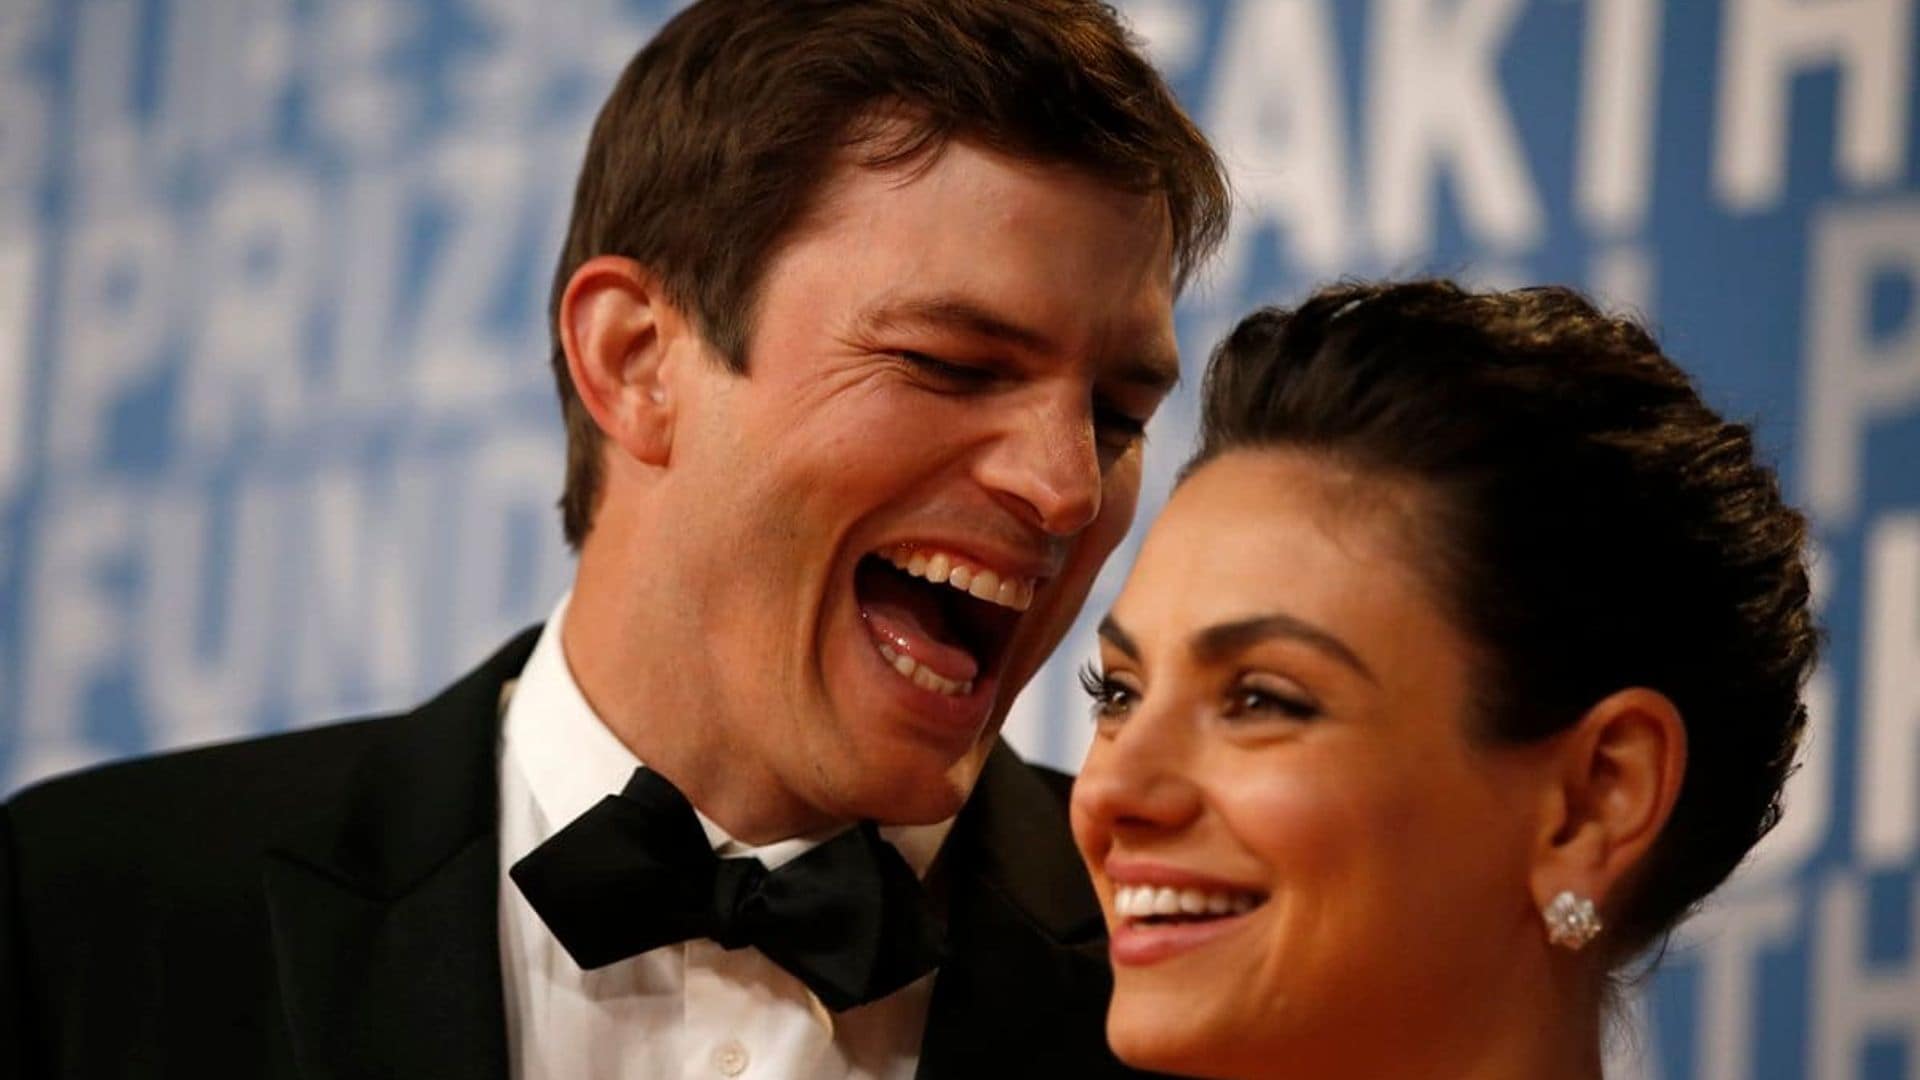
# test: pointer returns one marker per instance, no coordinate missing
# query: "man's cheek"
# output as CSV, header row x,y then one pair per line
x,y
1117,509
1120,491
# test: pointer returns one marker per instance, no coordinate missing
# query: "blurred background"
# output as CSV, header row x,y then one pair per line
x,y
278,440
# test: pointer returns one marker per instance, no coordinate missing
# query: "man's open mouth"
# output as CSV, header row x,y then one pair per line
x,y
939,619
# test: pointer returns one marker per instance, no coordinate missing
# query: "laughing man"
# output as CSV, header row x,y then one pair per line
x,y
862,311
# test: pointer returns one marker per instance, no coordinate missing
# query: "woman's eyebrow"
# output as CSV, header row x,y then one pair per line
x,y
1224,639
1119,638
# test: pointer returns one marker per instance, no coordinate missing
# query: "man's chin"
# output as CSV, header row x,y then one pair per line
x,y
914,788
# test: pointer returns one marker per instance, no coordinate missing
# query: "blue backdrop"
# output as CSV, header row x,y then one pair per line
x,y
277,440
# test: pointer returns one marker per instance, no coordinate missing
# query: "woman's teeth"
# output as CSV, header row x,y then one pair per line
x,y
911,670
977,582
1148,901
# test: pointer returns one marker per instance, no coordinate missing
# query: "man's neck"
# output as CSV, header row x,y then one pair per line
x,y
642,695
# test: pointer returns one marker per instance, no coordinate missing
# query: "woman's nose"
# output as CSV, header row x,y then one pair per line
x,y
1138,778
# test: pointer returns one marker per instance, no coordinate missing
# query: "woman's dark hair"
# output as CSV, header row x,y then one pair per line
x,y
1595,527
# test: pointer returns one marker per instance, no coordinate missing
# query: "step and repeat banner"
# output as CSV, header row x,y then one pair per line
x,y
278,441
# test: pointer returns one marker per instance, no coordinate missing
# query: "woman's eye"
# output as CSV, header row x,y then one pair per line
x,y
1111,698
1260,699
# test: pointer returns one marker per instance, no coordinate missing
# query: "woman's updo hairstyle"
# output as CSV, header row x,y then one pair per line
x,y
1595,527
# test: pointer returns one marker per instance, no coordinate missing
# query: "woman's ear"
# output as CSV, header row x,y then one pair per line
x,y
620,334
1619,775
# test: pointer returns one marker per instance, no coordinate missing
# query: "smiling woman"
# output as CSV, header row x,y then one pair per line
x,y
1465,660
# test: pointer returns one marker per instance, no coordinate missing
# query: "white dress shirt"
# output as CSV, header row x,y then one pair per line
x,y
687,1010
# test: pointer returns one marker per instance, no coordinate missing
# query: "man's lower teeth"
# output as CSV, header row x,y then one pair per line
x,y
911,670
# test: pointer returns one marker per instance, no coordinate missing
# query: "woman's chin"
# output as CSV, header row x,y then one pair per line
x,y
1150,1053
1158,1040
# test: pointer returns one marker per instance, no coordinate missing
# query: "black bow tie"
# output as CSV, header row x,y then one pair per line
x,y
847,918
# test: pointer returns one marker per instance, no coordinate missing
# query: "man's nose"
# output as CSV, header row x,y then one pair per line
x,y
1047,464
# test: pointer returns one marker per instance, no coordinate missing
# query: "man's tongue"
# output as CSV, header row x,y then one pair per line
x,y
910,617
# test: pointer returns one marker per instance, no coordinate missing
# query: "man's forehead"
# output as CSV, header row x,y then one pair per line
x,y
888,145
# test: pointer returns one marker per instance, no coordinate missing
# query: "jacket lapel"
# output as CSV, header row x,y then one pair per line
x,y
1024,989
386,930
384,910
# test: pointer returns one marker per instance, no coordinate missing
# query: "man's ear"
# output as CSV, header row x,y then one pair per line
x,y
620,334
1618,776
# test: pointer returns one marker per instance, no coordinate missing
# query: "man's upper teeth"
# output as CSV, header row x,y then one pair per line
x,y
976,581
1138,901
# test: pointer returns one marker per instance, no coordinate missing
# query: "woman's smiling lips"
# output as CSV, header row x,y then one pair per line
x,y
1162,911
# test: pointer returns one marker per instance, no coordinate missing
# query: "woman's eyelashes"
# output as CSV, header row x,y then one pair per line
x,y
1111,698
1266,697
1248,698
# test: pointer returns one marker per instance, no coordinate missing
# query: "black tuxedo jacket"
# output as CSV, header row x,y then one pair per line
x,y
324,904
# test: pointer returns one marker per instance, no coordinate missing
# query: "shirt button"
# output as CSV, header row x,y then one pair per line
x,y
730,1058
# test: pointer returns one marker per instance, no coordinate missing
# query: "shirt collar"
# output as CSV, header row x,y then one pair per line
x,y
571,760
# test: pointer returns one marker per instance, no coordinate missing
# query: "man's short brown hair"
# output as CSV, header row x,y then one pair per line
x,y
721,131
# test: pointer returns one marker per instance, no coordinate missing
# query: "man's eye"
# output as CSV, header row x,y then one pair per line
x,y
946,372
1118,430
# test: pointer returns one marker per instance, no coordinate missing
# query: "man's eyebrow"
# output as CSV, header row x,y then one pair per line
x,y
1119,638
1153,371
953,313
1157,372
1224,639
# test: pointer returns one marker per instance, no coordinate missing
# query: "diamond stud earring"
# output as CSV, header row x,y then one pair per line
x,y
1571,921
